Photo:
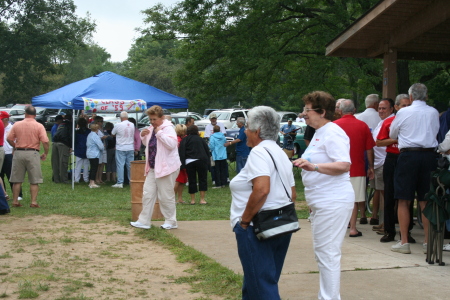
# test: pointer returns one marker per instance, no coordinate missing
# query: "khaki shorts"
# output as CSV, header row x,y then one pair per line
x,y
2,156
359,187
377,182
28,161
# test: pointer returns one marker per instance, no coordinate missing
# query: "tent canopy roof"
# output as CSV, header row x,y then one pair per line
x,y
417,29
107,85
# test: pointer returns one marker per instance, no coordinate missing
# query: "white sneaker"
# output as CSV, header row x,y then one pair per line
x,y
139,225
401,248
20,198
446,247
424,247
168,226
118,185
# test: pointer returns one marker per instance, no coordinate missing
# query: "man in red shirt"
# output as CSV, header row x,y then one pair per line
x,y
361,140
390,162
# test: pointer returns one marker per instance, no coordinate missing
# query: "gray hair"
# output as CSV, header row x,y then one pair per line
x,y
347,106
266,119
400,97
372,99
240,120
418,91
124,115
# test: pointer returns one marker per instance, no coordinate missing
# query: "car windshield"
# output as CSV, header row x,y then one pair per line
x,y
222,115
40,110
145,120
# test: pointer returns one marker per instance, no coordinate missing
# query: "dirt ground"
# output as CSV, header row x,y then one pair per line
x,y
60,257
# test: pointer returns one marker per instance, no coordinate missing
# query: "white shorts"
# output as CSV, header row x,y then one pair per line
x,y
359,187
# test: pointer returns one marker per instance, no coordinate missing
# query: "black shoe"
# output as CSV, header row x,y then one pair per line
x,y
374,221
363,221
411,240
388,237
4,211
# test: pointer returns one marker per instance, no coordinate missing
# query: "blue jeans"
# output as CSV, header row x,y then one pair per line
x,y
240,163
262,262
123,158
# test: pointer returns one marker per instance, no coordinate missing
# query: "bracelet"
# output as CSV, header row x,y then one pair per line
x,y
244,223
316,168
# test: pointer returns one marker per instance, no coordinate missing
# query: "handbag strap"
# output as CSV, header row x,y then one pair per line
x,y
290,199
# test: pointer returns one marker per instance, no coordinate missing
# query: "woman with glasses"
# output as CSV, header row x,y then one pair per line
x,y
328,191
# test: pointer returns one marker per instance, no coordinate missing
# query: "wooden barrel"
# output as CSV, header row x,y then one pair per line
x,y
137,188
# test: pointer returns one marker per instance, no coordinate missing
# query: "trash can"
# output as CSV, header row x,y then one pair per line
x,y
137,187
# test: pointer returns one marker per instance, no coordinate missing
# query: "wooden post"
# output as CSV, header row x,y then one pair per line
x,y
390,74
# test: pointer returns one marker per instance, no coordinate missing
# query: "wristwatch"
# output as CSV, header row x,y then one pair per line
x,y
243,223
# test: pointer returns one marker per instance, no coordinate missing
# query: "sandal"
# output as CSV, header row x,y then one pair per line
x,y
34,205
181,202
6,197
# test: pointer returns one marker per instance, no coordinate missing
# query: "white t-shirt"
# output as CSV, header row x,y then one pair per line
x,y
259,164
209,129
371,117
329,144
124,132
379,152
8,148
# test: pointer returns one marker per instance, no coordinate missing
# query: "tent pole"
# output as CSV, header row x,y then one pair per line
x,y
73,149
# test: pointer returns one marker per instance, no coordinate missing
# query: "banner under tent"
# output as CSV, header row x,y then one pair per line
x,y
107,92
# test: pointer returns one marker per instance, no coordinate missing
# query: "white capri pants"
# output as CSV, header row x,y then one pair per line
x,y
329,222
82,163
162,189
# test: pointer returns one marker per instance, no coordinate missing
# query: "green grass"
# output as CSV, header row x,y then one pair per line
x,y
96,205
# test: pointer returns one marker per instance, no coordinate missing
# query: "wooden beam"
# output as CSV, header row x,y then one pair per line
x,y
433,14
353,29
390,74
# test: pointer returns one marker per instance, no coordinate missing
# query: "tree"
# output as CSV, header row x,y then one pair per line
x,y
33,35
262,51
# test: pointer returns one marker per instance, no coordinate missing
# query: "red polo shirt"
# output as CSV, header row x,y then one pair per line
x,y
360,140
384,134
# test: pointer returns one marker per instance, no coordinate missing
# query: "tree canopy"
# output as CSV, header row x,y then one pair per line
x,y
34,36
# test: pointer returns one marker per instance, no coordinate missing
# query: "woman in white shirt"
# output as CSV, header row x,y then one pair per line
x,y
259,185
328,191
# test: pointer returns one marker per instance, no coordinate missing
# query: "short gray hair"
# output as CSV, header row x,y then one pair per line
x,y
418,91
372,99
266,119
240,120
400,97
124,115
347,106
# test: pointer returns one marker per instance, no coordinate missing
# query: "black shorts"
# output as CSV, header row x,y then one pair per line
x,y
413,174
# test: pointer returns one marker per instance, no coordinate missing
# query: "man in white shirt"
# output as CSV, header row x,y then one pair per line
x,y
209,129
124,132
415,127
385,110
370,115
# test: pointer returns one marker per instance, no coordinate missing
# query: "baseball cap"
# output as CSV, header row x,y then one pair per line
x,y
3,115
213,116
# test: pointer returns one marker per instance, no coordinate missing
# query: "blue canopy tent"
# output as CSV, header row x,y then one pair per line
x,y
107,85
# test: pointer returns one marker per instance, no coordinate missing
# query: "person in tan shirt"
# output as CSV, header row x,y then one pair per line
x,y
25,137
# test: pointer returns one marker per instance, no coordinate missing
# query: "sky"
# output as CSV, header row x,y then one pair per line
x,y
116,22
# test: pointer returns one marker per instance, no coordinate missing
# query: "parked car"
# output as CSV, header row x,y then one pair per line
x,y
299,142
15,114
176,119
196,116
51,118
20,106
286,115
232,132
43,113
225,116
208,111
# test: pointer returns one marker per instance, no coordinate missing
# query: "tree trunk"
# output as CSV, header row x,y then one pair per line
x,y
403,82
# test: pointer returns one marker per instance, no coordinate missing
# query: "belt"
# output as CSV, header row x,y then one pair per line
x,y
417,149
392,154
27,149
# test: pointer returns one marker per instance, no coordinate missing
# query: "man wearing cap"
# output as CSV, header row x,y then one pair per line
x,y
209,129
25,137
58,121
287,130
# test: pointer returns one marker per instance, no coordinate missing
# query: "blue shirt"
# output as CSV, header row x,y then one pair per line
x,y
94,146
241,148
216,144
53,130
286,128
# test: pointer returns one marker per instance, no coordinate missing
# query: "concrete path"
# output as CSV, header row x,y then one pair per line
x,y
370,270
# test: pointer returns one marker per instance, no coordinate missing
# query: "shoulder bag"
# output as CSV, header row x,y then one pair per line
x,y
276,220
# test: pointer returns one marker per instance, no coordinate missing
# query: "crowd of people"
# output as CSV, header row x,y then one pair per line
x,y
392,146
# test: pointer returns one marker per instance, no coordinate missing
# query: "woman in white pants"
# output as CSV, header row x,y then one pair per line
x,y
162,165
82,162
328,191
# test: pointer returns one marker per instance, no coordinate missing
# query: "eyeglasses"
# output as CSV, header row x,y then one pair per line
x,y
309,109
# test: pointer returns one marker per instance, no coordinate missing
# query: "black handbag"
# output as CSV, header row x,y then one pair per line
x,y
277,220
